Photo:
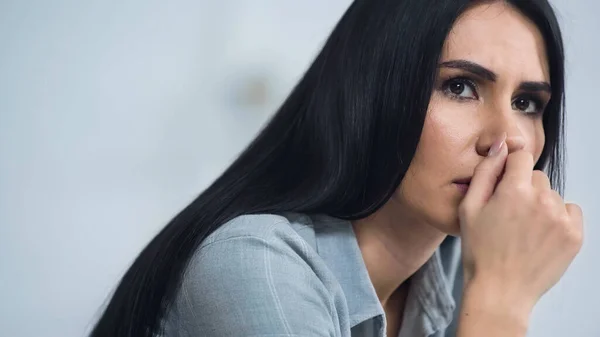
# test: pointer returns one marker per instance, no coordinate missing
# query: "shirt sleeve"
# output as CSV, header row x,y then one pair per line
x,y
261,286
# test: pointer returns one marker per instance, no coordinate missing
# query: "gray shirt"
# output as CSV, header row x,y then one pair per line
x,y
300,276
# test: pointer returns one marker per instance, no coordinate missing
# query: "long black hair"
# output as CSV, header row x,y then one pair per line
x,y
339,145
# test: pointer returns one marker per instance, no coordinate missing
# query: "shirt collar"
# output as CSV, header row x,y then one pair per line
x,y
337,245
433,289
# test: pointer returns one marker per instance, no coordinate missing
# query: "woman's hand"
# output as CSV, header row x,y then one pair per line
x,y
518,236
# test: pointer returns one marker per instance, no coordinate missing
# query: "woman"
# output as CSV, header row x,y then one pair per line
x,y
419,121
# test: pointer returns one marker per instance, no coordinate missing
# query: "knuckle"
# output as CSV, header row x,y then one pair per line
x,y
574,238
568,228
547,200
521,188
575,225
575,211
563,220
514,191
540,176
559,220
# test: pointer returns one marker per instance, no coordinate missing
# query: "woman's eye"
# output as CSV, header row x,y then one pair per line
x,y
526,105
461,89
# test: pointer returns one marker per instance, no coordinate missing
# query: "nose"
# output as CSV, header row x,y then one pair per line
x,y
501,123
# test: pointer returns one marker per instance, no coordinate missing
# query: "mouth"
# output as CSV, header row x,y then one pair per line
x,y
463,184
464,181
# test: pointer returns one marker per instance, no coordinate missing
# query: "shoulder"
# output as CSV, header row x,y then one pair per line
x,y
257,273
291,233
266,227
256,243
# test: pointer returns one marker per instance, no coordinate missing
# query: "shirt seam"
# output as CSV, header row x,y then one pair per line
x,y
267,262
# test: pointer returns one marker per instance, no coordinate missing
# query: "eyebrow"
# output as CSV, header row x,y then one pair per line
x,y
471,67
535,87
486,74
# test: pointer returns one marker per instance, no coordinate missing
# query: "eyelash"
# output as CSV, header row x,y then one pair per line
x,y
538,101
445,88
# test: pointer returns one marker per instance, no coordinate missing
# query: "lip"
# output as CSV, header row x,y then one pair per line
x,y
463,181
463,184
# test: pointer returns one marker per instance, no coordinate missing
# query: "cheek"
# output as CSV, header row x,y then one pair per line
x,y
440,157
445,143
439,128
446,135
437,139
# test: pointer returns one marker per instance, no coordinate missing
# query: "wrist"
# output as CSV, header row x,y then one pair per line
x,y
494,304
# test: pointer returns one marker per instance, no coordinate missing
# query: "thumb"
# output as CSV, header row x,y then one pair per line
x,y
486,175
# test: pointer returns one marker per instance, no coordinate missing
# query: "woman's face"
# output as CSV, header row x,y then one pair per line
x,y
493,78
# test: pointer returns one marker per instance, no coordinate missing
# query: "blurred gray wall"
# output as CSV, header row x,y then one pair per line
x,y
115,114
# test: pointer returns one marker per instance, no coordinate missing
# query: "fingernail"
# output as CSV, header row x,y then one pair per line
x,y
495,148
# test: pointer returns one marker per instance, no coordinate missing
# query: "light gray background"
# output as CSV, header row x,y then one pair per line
x,y
115,114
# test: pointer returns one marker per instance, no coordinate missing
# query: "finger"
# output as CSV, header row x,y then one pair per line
x,y
576,216
575,213
540,180
519,168
486,175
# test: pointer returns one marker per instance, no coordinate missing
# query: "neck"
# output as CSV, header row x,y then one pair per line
x,y
394,246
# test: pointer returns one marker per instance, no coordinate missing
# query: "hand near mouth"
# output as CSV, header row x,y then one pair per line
x,y
518,237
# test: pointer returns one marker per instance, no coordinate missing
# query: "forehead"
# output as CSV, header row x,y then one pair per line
x,y
500,38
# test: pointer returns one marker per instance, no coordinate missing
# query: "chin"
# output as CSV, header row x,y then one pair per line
x,y
455,233
448,225
451,230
